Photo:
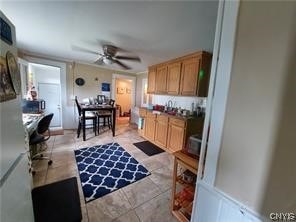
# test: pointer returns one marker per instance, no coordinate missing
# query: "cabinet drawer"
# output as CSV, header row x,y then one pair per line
x,y
150,115
177,122
142,112
162,118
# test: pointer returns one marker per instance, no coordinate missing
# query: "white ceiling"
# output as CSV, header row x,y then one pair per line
x,y
155,31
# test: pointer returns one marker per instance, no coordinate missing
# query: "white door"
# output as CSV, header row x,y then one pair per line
x,y
51,93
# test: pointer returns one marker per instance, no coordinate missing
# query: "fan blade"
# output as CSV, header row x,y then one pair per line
x,y
135,58
80,49
104,43
121,64
99,61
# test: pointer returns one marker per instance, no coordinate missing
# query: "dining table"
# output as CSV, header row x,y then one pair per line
x,y
97,107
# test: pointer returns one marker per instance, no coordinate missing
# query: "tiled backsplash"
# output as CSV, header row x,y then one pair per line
x,y
179,101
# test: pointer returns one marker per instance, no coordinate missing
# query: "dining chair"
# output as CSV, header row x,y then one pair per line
x,y
88,116
101,99
106,116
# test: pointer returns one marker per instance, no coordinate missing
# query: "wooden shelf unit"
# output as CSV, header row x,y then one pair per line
x,y
187,163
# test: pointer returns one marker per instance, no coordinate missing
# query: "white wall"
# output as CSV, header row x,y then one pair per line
x,y
45,74
15,196
139,87
256,170
258,145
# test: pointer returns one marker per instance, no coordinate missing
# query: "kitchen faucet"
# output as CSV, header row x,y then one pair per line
x,y
170,105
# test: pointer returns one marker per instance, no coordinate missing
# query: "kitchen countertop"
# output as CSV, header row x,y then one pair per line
x,y
172,116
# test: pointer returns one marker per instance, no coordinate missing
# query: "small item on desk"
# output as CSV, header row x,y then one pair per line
x,y
32,93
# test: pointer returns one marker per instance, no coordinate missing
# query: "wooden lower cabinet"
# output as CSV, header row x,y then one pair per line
x,y
150,124
175,138
169,132
161,132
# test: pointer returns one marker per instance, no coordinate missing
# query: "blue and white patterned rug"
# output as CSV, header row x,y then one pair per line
x,y
106,168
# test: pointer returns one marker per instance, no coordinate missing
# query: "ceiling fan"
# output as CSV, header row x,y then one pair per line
x,y
109,55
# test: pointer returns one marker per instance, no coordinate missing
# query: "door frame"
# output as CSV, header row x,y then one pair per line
x,y
128,77
24,78
224,45
58,84
66,119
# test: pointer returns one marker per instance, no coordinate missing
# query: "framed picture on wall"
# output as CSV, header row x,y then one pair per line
x,y
105,87
14,72
120,90
6,89
128,91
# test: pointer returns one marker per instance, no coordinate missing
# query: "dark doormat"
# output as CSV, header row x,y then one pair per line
x,y
149,148
57,202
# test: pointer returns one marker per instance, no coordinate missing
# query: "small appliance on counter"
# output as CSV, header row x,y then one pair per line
x,y
33,106
193,145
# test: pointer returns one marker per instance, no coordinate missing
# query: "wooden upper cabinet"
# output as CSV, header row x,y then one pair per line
x,y
151,80
173,78
161,79
189,76
204,79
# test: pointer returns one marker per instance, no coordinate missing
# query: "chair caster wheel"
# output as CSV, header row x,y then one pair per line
x,y
49,162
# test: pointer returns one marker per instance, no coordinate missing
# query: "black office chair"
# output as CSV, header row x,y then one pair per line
x,y
39,137
106,116
88,116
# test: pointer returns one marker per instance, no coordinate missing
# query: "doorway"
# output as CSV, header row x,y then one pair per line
x,y
47,79
51,93
123,100
123,92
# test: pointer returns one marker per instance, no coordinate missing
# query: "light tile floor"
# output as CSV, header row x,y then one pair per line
x,y
145,200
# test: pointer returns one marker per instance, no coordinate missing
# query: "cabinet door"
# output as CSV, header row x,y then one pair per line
x,y
189,76
175,139
151,80
150,128
161,133
161,79
173,78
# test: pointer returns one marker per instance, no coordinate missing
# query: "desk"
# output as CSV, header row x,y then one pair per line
x,y
85,108
30,122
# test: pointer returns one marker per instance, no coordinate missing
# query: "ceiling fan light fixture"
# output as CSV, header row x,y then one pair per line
x,y
107,61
